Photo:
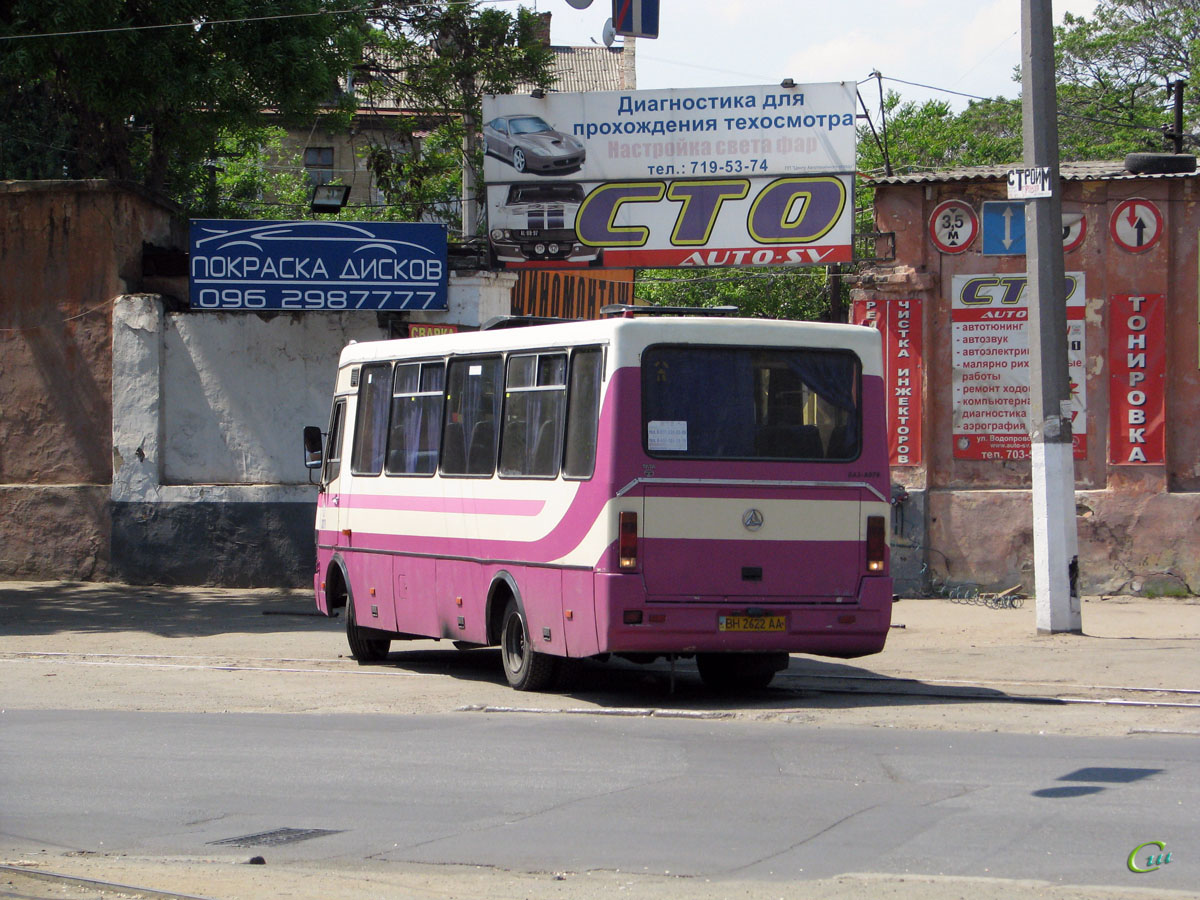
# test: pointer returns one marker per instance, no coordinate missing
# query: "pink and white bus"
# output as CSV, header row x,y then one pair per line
x,y
644,486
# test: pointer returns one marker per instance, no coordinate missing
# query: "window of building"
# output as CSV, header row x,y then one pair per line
x,y
318,164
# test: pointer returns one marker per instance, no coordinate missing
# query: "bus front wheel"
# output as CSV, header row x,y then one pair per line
x,y
524,669
739,671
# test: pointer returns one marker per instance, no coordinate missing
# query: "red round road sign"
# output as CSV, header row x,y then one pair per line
x,y
1136,225
953,226
1074,230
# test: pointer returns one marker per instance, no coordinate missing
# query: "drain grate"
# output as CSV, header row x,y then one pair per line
x,y
274,838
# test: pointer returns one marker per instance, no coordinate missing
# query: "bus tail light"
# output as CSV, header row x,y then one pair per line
x,y
876,543
627,540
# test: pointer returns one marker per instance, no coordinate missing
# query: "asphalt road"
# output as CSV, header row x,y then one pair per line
x,y
537,792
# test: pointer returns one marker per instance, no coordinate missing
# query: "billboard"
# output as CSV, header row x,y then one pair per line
x,y
990,359
683,177
260,265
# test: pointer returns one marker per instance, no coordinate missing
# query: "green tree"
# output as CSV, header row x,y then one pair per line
x,y
1114,70
251,177
760,292
433,61
930,135
148,91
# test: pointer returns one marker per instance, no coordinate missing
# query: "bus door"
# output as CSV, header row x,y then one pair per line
x,y
361,500
329,522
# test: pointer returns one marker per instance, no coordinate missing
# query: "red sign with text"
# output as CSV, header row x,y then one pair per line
x,y
990,365
1137,367
903,364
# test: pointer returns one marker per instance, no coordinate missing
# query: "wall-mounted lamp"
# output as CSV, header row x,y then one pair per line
x,y
329,198
537,94
788,82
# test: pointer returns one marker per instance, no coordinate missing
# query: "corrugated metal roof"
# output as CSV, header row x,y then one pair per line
x,y
1104,170
586,69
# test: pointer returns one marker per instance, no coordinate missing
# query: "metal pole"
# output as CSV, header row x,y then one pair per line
x,y
1055,539
470,203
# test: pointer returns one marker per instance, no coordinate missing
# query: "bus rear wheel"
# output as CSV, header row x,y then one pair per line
x,y
739,671
363,648
525,669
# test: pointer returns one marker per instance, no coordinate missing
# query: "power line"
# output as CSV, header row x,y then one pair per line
x,y
928,87
193,24
1061,115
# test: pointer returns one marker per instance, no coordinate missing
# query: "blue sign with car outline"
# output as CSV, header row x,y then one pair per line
x,y
313,265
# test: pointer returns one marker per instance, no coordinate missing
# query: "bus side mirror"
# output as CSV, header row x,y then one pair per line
x,y
312,447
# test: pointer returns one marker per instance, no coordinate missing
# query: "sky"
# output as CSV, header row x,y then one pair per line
x,y
967,46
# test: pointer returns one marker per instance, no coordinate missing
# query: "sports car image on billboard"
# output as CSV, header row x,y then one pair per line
x,y
529,144
536,222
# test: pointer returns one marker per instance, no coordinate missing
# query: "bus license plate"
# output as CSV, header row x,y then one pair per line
x,y
752,623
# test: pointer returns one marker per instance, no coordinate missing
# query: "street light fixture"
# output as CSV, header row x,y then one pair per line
x,y
329,198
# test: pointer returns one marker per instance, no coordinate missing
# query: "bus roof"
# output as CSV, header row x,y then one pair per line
x,y
630,336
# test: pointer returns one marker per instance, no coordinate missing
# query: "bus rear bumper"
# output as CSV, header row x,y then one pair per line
x,y
683,625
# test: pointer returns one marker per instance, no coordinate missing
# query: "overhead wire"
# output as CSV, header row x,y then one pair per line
x,y
197,23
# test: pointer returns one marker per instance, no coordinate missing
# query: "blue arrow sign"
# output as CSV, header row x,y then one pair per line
x,y
1003,228
635,18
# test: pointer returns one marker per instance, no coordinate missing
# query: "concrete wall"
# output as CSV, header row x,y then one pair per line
x,y
1137,524
208,484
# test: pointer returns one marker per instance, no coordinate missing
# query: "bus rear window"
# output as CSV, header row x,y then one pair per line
x,y
750,403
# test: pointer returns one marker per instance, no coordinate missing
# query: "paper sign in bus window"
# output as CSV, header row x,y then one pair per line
x,y
668,437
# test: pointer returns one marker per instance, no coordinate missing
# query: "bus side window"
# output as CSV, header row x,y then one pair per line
x,y
583,413
534,400
333,446
416,426
472,407
370,431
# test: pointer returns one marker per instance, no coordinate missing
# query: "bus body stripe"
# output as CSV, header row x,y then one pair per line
x,y
466,506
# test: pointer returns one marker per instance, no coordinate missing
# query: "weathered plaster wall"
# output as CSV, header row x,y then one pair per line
x,y
1137,525
67,250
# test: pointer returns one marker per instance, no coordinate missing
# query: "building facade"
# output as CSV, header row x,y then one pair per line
x,y
954,305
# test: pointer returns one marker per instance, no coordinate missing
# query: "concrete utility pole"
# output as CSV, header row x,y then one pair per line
x,y
1055,539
